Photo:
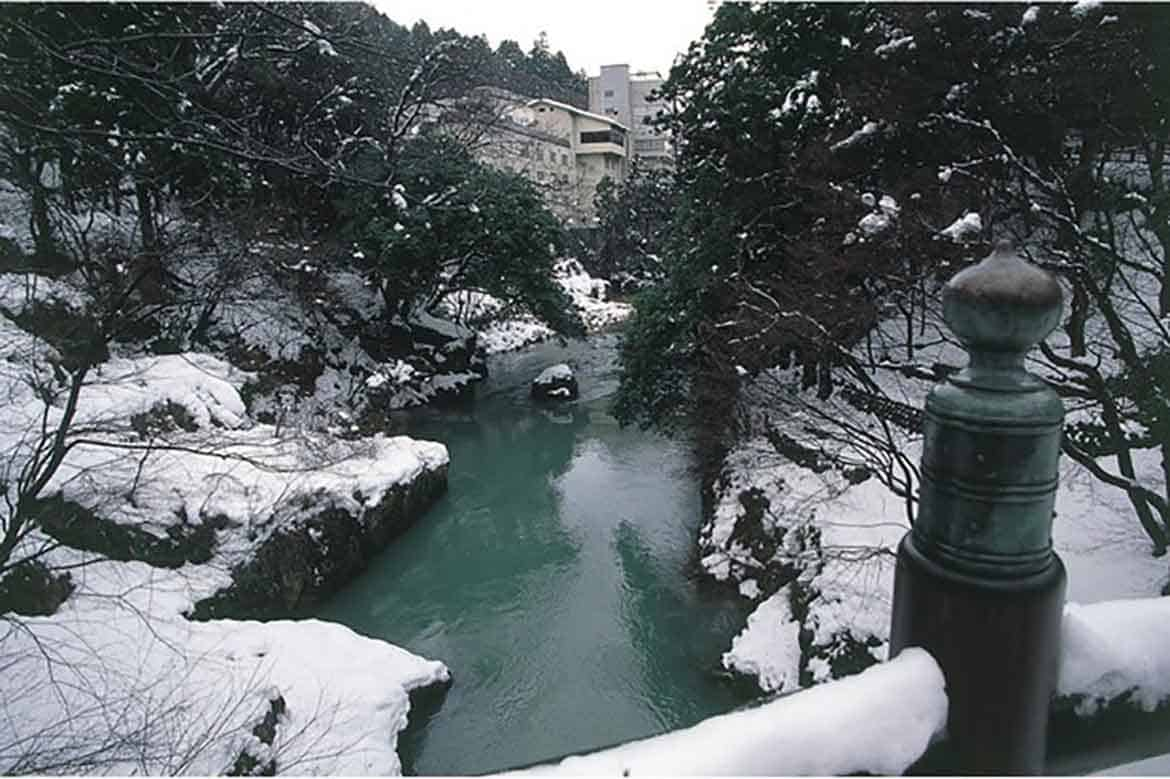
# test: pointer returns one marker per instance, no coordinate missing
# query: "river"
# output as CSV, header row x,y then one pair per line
x,y
555,579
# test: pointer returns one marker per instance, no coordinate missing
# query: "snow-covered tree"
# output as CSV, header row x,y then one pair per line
x,y
838,162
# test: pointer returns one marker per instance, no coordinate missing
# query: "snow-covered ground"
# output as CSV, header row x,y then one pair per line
x,y
118,680
588,294
836,532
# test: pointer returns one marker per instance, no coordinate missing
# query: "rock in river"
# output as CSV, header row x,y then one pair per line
x,y
556,382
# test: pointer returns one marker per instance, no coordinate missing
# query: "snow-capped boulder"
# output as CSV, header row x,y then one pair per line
x,y
555,382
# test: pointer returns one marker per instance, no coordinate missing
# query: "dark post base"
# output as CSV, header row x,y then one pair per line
x,y
998,643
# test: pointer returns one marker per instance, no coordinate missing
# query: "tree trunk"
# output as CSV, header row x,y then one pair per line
x,y
68,182
1111,416
1156,164
1162,232
152,283
42,229
1078,315
146,217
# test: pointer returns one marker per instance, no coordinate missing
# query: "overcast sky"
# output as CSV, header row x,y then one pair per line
x,y
644,33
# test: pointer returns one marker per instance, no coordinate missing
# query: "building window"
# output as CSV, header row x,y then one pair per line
x,y
604,136
609,93
565,159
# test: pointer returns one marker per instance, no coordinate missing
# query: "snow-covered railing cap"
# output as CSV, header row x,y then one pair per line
x,y
1003,304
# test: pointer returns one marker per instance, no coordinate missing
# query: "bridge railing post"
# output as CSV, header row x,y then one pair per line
x,y
977,582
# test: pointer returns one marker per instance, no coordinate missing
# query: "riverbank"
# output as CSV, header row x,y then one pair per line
x,y
496,334
247,480
170,503
808,516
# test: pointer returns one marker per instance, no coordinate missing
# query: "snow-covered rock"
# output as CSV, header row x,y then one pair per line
x,y
769,647
1085,7
965,228
238,519
857,137
555,382
133,687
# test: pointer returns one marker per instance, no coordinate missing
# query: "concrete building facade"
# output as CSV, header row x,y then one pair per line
x,y
625,97
564,150
600,147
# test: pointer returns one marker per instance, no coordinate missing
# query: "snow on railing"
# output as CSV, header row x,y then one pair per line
x,y
1113,651
879,722
882,720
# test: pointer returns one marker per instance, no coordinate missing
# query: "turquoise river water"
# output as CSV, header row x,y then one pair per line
x,y
555,579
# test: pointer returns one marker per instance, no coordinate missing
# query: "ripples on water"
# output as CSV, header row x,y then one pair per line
x,y
554,579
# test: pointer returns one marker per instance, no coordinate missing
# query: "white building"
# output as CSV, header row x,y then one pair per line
x,y
600,147
625,96
564,150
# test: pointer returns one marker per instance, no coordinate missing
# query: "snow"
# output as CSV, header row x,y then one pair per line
x,y
963,228
874,223
499,332
846,575
1114,648
395,373
1151,766
878,722
768,648
18,291
750,589
858,135
217,464
268,322
889,206
554,374
1098,537
202,384
176,696
125,672
442,326
259,479
1084,7
589,295
1099,540
513,334
897,44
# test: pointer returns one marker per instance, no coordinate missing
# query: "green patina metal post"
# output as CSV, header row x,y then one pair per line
x,y
977,582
